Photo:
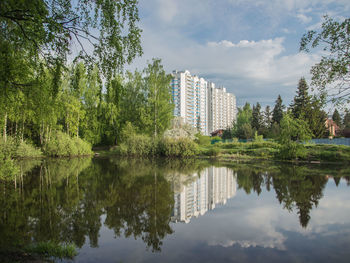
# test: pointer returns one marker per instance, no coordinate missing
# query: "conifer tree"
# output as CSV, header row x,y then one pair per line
x,y
336,117
277,113
346,120
257,118
267,117
302,100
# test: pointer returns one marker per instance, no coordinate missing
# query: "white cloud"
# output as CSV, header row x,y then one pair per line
x,y
304,19
167,9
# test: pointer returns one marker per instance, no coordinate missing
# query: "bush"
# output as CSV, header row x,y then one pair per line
x,y
61,144
138,145
8,148
182,147
292,150
202,139
27,150
214,151
17,149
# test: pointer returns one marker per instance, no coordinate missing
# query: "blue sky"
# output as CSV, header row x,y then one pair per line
x,y
249,46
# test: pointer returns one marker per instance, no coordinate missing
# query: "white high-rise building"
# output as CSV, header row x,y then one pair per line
x,y
213,186
222,108
190,97
200,104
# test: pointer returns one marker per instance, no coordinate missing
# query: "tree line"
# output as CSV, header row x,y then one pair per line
x,y
79,103
305,107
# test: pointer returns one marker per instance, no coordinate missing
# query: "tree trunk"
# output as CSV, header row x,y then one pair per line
x,y
78,126
22,132
5,127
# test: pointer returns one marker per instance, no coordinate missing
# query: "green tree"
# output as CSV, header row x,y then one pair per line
x,y
48,28
160,107
346,120
277,113
257,118
332,74
302,100
293,131
242,127
336,117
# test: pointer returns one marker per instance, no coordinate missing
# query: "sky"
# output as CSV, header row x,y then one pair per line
x,y
251,47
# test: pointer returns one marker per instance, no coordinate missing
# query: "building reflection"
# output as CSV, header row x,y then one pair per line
x,y
211,187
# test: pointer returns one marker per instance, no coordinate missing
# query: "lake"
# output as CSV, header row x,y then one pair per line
x,y
119,210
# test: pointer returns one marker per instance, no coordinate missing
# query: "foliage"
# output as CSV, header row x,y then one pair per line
x,y
331,74
336,118
309,109
277,113
180,129
47,29
182,147
293,131
258,138
159,110
302,100
257,118
203,139
346,120
61,144
242,127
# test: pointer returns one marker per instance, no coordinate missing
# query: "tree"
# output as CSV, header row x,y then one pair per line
x,y
277,113
242,127
332,74
48,28
293,131
336,117
302,100
316,117
160,107
267,117
257,118
309,109
346,120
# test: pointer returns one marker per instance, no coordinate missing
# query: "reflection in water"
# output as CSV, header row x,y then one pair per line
x,y
71,200
212,186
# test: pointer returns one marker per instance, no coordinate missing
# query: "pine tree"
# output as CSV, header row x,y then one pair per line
x,y
302,101
346,120
257,118
277,113
336,117
267,117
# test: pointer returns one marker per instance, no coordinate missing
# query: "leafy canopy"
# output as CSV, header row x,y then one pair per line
x,y
332,74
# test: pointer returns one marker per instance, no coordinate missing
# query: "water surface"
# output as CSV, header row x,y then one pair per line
x,y
180,211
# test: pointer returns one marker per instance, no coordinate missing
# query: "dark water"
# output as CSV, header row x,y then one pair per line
x,y
180,211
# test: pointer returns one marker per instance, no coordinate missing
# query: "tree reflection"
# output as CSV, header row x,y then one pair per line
x,y
64,200
296,187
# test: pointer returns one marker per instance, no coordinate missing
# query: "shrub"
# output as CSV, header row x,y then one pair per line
x,y
182,147
61,144
214,151
202,139
27,150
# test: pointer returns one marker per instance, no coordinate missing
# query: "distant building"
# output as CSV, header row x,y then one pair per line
x,y
201,104
332,128
218,132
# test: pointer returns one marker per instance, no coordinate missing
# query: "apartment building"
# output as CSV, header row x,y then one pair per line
x,y
214,186
201,104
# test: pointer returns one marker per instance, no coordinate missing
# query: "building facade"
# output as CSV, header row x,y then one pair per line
x,y
214,186
201,104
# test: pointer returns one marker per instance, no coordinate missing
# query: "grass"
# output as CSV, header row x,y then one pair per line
x,y
270,150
